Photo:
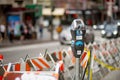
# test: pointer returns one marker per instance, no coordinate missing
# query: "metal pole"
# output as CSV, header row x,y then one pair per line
x,y
90,63
51,18
85,71
77,69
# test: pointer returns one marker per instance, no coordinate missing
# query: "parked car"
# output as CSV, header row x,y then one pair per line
x,y
99,26
110,30
65,36
118,27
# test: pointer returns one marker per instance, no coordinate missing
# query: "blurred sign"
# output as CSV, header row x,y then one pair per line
x,y
19,1
56,12
73,12
109,0
37,7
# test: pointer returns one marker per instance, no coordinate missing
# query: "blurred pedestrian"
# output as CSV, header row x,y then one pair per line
x,y
22,37
17,32
41,30
25,32
59,29
89,22
2,30
0,37
10,33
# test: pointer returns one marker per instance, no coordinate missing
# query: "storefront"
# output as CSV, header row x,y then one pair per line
x,y
20,16
50,16
3,11
86,15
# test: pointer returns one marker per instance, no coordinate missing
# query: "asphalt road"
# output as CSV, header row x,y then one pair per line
x,y
14,54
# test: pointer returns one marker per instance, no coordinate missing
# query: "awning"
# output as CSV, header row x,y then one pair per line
x,y
56,12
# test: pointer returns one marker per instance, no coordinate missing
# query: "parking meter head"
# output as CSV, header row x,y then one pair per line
x,y
77,24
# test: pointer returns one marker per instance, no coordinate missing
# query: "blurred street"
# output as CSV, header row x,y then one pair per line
x,y
34,31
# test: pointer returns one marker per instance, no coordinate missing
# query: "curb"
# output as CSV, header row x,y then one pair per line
x,y
27,42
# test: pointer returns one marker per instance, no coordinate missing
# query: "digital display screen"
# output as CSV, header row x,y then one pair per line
x,y
78,22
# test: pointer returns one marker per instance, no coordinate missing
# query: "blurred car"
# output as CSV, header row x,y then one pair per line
x,y
65,36
118,29
99,26
118,26
110,30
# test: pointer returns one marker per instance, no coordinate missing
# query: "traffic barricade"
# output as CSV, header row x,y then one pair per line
x,y
35,75
24,66
107,55
39,63
50,59
2,69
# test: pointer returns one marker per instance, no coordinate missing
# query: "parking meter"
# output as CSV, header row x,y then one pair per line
x,y
77,31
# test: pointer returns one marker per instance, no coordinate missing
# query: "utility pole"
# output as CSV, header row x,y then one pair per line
x,y
110,9
84,4
77,4
90,64
51,27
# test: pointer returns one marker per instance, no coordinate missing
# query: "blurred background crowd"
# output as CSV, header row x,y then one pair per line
x,y
27,19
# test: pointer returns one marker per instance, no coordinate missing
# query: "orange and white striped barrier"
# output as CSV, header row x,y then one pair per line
x,y
84,59
59,55
34,75
19,67
55,57
39,63
34,64
2,71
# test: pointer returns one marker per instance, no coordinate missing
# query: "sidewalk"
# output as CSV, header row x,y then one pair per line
x,y
6,43
114,75
46,38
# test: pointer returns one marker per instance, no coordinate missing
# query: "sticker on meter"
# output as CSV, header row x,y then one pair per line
x,y
79,52
79,37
